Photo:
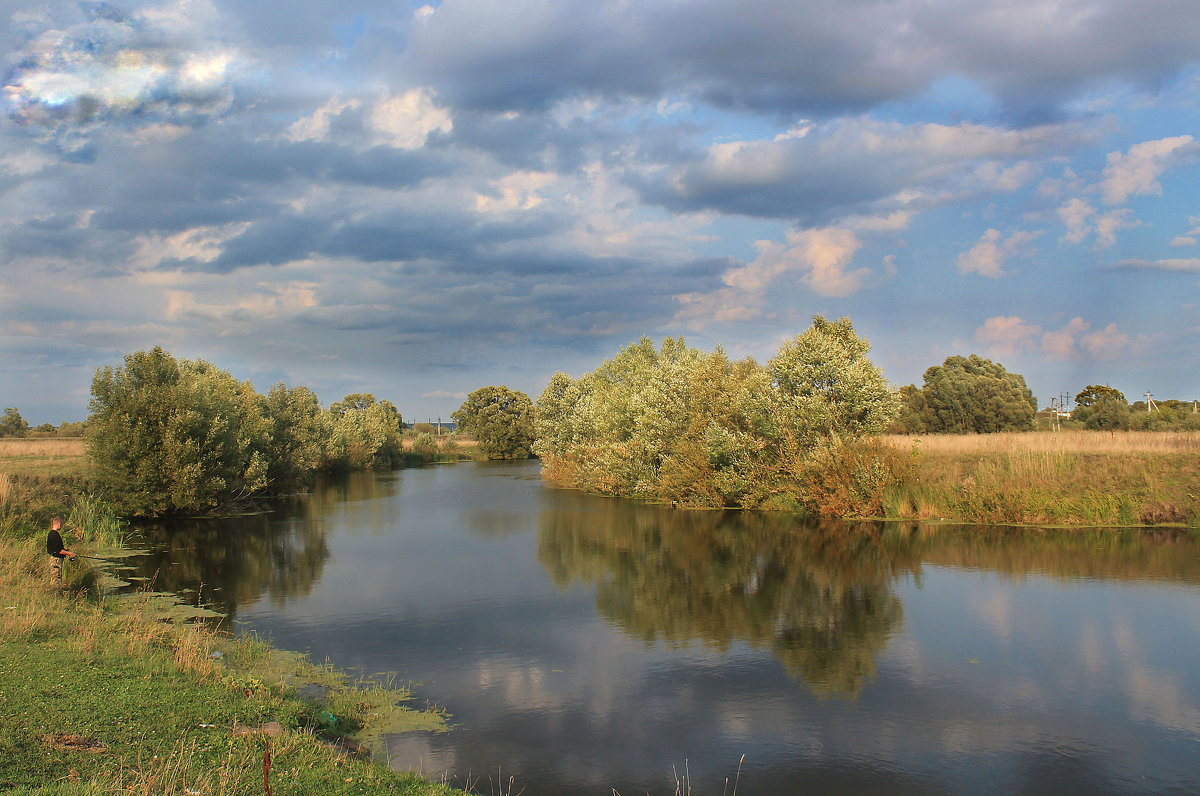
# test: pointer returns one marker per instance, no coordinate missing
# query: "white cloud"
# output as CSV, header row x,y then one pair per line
x,y
516,191
407,120
1004,336
1081,220
988,256
1137,171
820,257
1108,343
1075,215
316,126
1183,240
80,69
1061,342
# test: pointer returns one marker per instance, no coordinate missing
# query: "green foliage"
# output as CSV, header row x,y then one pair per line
x,y
501,421
71,429
12,424
911,419
1169,415
299,429
364,433
176,436
973,395
1101,408
691,428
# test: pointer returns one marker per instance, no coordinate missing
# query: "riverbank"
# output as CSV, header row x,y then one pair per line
x,y
1067,478
102,694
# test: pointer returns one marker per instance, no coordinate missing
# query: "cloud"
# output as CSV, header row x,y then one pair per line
x,y
1061,343
803,60
1108,343
1005,335
1008,335
81,68
1183,240
987,257
1082,220
1137,171
854,165
1178,264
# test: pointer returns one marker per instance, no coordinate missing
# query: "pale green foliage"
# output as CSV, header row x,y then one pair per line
x,y
364,433
829,385
681,425
168,435
500,420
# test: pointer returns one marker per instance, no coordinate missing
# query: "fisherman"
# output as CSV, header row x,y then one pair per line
x,y
57,550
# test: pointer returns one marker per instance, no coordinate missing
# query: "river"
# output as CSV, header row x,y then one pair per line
x,y
587,645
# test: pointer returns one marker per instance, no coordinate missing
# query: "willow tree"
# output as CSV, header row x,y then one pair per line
x,y
694,428
169,435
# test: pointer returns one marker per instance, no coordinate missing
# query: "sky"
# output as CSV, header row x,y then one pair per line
x,y
418,200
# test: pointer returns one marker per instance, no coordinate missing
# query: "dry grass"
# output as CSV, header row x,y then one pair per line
x,y
1042,442
42,458
50,446
1079,478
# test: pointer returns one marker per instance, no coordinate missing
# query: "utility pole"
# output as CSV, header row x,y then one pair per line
x,y
1149,402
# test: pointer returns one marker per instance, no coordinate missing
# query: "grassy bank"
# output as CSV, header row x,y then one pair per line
x,y
1065,478
108,694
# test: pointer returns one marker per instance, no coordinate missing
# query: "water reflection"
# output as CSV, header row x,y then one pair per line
x,y
235,561
819,598
586,644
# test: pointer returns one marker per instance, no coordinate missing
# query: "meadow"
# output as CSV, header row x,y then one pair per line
x,y
1076,478
44,456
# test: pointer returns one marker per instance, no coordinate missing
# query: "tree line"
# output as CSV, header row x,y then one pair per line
x,y
169,435
668,423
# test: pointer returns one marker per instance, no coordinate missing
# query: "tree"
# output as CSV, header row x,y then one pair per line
x,y
169,435
973,395
911,419
299,430
823,374
692,428
1102,408
364,433
501,421
12,424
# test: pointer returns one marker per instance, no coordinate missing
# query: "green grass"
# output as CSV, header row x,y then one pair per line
x,y
145,693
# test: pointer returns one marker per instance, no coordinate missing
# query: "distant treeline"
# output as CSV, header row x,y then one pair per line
x,y
183,436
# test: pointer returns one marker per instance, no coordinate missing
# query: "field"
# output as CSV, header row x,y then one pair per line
x,y
42,457
1042,478
1047,443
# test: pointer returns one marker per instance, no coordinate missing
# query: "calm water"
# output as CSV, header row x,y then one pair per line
x,y
585,645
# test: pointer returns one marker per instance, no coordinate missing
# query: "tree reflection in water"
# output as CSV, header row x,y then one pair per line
x,y
234,561
819,597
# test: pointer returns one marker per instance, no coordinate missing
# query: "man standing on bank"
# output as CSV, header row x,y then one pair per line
x,y
57,550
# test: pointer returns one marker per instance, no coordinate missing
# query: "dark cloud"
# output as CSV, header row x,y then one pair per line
x,y
779,57
856,166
